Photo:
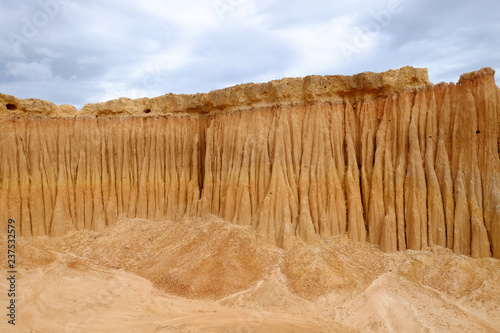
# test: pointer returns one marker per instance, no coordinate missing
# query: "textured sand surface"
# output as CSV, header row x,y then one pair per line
x,y
207,275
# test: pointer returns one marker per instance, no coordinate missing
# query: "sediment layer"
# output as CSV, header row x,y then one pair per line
x,y
389,158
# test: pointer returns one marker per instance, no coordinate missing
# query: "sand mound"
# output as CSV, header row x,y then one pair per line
x,y
394,304
207,275
195,258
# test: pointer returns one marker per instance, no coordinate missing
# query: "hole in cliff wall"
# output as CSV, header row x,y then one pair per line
x,y
11,107
147,111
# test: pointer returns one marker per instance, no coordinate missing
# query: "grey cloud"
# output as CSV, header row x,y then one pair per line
x,y
32,71
283,13
229,57
449,37
93,44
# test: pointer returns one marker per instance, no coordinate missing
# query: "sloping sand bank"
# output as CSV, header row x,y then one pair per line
x,y
207,275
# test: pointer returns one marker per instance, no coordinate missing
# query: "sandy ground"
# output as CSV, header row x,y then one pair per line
x,y
206,275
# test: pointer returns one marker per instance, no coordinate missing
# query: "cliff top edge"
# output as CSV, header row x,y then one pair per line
x,y
314,88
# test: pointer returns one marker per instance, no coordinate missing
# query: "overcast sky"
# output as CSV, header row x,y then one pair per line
x,y
77,52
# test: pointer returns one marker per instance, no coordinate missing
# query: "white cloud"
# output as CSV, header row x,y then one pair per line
x,y
44,51
10,50
115,90
114,48
318,45
89,60
40,71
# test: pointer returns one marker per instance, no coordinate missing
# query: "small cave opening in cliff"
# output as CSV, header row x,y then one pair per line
x,y
147,111
11,107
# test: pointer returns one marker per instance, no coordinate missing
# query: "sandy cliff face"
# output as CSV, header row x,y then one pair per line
x,y
389,158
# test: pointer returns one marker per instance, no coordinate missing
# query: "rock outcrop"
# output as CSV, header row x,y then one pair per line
x,y
389,158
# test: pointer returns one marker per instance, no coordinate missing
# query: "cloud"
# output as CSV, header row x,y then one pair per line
x,y
9,52
33,71
89,60
95,50
44,51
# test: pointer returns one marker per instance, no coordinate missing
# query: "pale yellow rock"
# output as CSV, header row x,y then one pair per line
x,y
462,231
495,233
376,209
389,158
415,197
388,237
404,116
435,208
355,222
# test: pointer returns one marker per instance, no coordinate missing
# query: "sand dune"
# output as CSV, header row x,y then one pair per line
x,y
207,275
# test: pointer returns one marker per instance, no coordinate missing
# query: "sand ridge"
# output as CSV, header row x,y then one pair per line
x,y
145,276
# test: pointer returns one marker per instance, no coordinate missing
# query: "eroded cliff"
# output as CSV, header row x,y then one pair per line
x,y
389,158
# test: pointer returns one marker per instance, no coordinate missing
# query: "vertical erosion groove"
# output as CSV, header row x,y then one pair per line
x,y
405,171
202,151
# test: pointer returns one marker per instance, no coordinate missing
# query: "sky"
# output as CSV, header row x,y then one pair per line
x,y
78,52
